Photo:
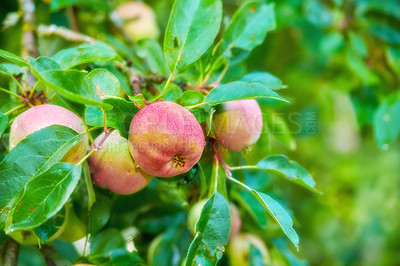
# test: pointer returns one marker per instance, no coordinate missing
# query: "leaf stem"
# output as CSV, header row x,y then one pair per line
x,y
195,106
10,92
235,168
14,109
169,79
87,156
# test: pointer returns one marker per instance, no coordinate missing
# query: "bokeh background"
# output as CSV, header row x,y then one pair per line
x,y
340,60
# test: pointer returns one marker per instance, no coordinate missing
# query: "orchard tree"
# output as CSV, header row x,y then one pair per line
x,y
141,150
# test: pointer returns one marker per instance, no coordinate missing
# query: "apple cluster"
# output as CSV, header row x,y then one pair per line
x,y
165,140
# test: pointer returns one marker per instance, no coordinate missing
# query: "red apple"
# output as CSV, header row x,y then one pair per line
x,y
113,168
238,124
165,139
45,115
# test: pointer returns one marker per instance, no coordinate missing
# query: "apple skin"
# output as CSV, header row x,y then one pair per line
x,y
45,115
112,167
165,139
195,212
74,229
139,21
238,124
239,248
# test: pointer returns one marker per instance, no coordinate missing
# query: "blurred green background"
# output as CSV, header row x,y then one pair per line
x,y
341,62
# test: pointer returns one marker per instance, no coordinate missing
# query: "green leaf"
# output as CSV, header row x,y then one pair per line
x,y
45,195
49,228
106,83
239,90
119,117
281,165
106,241
279,214
3,123
191,29
384,32
13,58
83,54
317,14
386,121
280,130
74,85
266,79
213,228
13,69
41,149
191,97
252,206
151,52
255,256
249,27
44,63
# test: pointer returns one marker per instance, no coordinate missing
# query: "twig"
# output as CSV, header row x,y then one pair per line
x,y
27,8
69,35
72,19
46,251
100,144
11,253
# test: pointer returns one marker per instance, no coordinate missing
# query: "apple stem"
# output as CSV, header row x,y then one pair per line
x,y
226,167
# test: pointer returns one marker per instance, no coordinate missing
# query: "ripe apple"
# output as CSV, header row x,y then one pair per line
x,y
239,249
113,168
165,139
45,115
238,124
138,20
195,212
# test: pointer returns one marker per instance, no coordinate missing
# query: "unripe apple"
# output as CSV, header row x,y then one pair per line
x,y
74,228
165,139
238,250
195,212
138,20
45,115
113,168
238,124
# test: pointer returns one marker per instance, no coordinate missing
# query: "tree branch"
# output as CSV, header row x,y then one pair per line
x,y
11,252
67,34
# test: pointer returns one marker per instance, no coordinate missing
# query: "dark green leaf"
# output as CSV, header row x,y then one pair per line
x,y
385,32
99,213
240,90
119,117
281,165
46,230
106,241
191,29
42,149
13,58
45,195
213,228
83,54
266,79
248,27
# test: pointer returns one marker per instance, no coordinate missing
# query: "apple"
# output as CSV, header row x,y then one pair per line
x,y
238,250
238,124
195,212
165,139
112,166
45,115
74,228
138,20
